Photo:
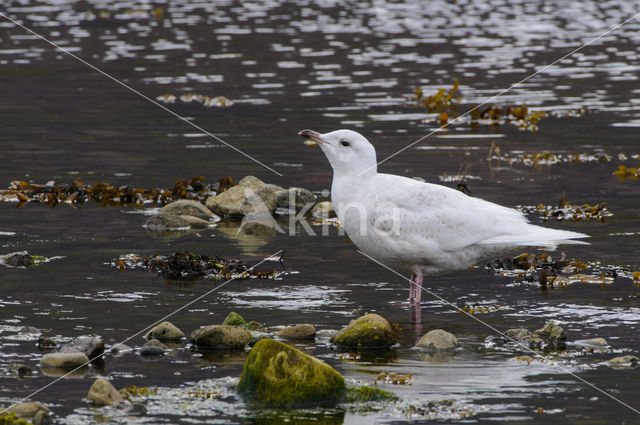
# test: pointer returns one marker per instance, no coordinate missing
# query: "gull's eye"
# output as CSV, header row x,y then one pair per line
x,y
345,143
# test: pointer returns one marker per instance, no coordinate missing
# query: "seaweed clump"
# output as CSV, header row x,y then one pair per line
x,y
10,418
564,210
627,173
189,266
77,193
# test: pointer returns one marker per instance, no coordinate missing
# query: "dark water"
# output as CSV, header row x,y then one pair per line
x,y
321,65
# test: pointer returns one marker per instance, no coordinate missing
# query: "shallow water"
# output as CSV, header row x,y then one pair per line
x,y
322,65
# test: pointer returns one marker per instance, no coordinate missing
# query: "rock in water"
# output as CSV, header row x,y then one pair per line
x,y
294,198
34,412
304,331
221,337
278,375
91,345
190,208
323,209
553,335
162,222
368,331
103,393
438,340
153,347
234,319
165,331
67,360
250,195
526,338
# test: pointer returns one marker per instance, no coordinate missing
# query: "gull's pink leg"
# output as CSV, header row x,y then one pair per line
x,y
412,288
417,282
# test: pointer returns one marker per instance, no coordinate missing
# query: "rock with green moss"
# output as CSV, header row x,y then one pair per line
x,y
31,412
221,337
368,331
10,418
278,375
234,319
364,394
553,335
255,326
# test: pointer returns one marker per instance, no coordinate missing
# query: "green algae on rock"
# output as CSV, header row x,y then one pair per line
x,y
10,418
365,393
234,319
368,331
278,375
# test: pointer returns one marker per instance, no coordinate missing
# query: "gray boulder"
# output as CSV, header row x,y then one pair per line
x,y
165,331
304,331
162,222
64,360
153,347
438,340
91,345
250,195
294,198
221,337
34,412
190,208
102,393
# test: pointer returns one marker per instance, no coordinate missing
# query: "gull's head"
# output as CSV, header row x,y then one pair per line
x,y
348,152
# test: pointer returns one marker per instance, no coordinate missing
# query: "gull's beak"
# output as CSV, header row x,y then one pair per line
x,y
313,135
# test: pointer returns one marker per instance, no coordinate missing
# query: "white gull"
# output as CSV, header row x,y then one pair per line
x,y
426,228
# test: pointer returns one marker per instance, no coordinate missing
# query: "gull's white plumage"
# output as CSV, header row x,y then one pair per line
x,y
424,227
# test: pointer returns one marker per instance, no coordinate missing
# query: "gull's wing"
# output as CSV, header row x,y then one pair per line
x,y
437,217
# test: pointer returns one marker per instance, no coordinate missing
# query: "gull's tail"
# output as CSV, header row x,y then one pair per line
x,y
538,236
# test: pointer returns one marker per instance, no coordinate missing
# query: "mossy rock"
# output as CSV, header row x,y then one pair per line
x,y
364,394
234,319
254,326
368,331
278,375
10,418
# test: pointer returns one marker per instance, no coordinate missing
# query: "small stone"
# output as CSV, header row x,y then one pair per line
x,y
594,342
234,319
17,259
190,208
34,412
46,343
624,360
523,336
221,337
153,347
438,340
120,349
21,369
294,198
250,195
254,326
553,334
65,360
323,209
161,222
91,345
304,331
165,331
103,393
368,331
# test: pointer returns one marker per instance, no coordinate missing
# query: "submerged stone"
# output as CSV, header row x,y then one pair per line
x,y
91,345
553,335
304,331
365,393
103,393
523,336
165,331
153,347
17,259
278,375
294,198
438,340
34,412
161,222
65,360
368,331
221,337
234,319
190,208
